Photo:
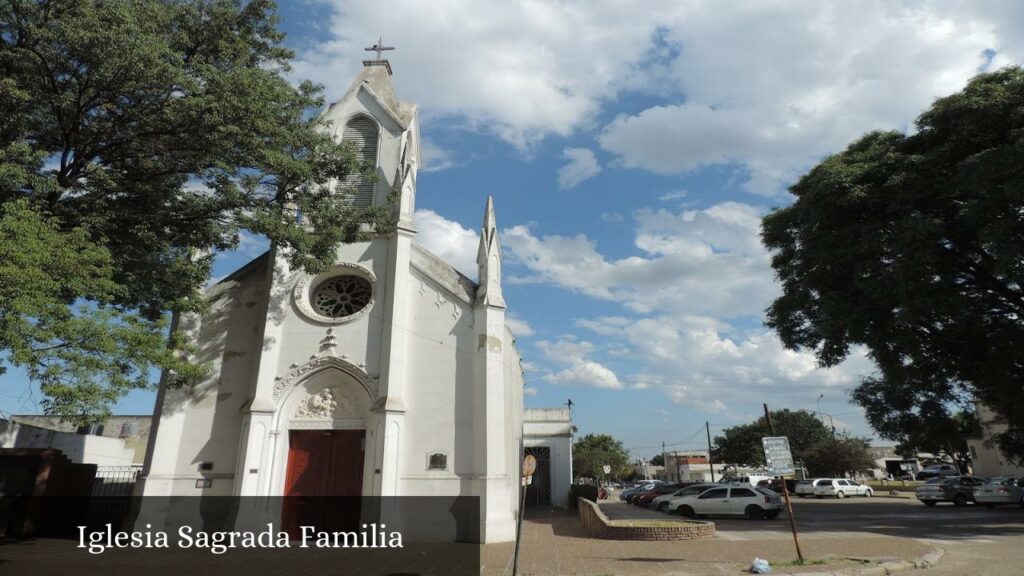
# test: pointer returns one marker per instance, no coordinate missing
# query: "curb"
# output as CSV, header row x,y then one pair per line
x,y
928,560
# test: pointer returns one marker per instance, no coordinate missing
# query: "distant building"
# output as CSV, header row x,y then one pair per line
x,y
689,467
78,448
132,430
647,471
987,460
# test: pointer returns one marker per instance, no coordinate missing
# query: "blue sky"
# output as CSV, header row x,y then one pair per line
x,y
631,150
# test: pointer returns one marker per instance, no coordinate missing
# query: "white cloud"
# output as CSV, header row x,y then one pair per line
x,y
530,391
769,86
612,217
673,195
694,262
521,70
518,326
582,166
577,369
705,363
449,240
435,158
772,87
251,245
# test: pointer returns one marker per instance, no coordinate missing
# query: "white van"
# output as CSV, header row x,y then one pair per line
x,y
752,479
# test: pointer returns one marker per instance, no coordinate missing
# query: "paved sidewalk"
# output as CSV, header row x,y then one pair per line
x,y
554,544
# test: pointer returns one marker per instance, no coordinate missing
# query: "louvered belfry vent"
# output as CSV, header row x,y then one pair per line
x,y
362,132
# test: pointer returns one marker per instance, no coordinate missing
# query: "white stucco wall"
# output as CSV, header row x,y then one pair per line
x,y
552,428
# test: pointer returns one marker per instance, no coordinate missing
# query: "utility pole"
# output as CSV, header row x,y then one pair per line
x,y
785,492
711,463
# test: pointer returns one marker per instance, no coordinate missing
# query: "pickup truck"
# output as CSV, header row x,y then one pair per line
x,y
956,489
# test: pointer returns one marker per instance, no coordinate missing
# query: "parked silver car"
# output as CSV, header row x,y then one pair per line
x,y
1000,490
806,487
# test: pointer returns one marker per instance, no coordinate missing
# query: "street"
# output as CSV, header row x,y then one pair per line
x,y
976,540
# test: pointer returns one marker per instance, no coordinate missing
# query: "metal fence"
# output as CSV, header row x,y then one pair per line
x,y
115,480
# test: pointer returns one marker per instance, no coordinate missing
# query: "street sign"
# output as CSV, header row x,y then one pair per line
x,y
777,455
607,469
529,465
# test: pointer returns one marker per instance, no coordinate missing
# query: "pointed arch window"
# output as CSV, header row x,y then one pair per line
x,y
362,132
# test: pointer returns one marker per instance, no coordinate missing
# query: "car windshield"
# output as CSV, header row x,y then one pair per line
x,y
1003,481
765,491
940,481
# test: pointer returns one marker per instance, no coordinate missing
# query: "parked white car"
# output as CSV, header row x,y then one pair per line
x,y
734,500
841,488
805,488
664,502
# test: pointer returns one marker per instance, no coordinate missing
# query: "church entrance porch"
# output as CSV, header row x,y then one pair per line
x,y
324,479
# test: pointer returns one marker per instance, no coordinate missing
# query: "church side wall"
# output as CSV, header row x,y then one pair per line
x,y
202,424
439,393
514,414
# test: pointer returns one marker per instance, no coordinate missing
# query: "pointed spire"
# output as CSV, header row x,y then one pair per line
x,y
488,260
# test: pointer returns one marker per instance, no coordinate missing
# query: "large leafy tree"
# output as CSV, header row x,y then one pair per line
x,y
592,452
741,445
136,137
912,245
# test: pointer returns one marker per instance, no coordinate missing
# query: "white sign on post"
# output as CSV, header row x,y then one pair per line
x,y
607,469
777,455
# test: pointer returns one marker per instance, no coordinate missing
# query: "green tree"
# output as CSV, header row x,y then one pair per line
x,y
741,445
658,460
152,132
946,436
839,457
58,318
592,452
912,245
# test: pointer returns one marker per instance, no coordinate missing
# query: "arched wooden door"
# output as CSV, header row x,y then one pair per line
x,y
324,481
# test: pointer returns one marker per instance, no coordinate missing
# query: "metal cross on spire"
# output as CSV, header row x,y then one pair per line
x,y
379,47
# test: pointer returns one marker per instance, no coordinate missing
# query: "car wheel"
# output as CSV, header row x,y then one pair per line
x,y
754,512
840,495
867,494
960,500
928,503
687,511
989,505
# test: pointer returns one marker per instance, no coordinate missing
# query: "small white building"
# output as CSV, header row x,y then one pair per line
x,y
986,460
390,365
547,435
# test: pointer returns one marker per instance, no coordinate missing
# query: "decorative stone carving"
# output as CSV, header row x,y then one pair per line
x,y
284,383
323,404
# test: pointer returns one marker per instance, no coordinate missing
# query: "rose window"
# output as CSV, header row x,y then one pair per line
x,y
342,296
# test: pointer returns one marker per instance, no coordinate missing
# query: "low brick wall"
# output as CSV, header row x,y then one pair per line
x,y
598,525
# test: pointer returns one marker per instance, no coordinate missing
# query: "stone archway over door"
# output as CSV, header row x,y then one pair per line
x,y
323,424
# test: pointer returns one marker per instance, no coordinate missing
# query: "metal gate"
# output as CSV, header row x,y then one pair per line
x,y
115,480
538,493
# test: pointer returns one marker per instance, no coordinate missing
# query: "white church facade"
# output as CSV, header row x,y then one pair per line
x,y
389,374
